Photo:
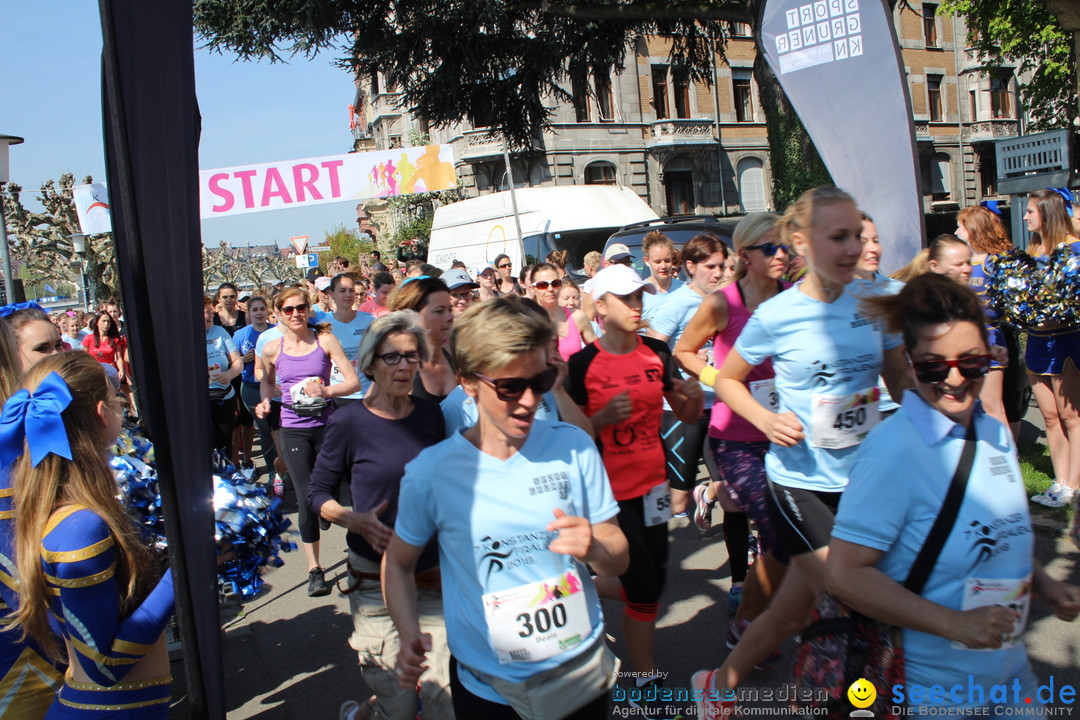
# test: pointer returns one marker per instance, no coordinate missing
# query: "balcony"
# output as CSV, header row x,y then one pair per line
x,y
985,130
922,131
478,145
679,133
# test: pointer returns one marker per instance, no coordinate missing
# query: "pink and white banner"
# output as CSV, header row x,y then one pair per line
x,y
296,183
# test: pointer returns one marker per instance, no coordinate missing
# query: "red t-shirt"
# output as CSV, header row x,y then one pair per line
x,y
632,451
107,352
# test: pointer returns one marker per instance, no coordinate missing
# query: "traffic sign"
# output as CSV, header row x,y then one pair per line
x,y
300,243
308,260
319,248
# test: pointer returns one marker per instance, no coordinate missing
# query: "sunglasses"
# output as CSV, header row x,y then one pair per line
x,y
507,389
413,357
290,309
544,284
972,367
767,249
504,265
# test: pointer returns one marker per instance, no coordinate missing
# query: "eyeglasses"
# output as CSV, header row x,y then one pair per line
x,y
768,249
971,367
290,309
413,357
544,284
504,266
507,389
462,296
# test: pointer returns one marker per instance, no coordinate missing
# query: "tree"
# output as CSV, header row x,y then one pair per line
x,y
1025,33
241,266
344,243
41,241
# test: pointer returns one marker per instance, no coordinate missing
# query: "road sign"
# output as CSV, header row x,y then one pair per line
x,y
319,248
309,260
300,243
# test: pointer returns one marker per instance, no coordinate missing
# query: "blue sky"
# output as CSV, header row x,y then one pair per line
x,y
50,94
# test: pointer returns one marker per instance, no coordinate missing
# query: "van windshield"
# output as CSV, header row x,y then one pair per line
x,y
577,242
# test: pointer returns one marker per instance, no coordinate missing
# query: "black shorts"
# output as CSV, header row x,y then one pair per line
x,y
644,578
803,518
274,418
684,449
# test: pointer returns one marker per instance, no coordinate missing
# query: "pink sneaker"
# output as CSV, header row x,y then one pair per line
x,y
712,704
702,508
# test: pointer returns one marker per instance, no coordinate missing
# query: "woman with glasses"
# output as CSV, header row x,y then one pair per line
x,y
703,259
572,327
827,356
303,357
430,298
506,283
367,445
524,517
978,593
621,382
738,448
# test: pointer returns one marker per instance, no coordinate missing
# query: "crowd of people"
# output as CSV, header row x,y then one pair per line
x,y
505,450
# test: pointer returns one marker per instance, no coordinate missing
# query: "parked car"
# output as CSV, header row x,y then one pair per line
x,y
680,228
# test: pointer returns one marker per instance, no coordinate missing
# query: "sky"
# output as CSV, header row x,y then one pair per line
x,y
50,94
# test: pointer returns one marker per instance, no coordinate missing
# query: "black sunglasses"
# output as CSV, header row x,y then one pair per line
x,y
290,309
767,249
393,358
504,265
507,389
971,367
543,284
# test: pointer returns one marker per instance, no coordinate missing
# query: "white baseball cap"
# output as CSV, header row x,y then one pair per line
x,y
322,283
620,280
616,252
483,268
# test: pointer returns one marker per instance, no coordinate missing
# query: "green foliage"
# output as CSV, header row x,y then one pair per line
x,y
487,60
416,228
1024,33
345,243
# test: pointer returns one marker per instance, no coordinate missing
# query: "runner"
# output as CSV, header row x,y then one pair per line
x,y
572,328
520,507
660,256
738,448
827,357
626,417
245,340
430,298
348,326
383,284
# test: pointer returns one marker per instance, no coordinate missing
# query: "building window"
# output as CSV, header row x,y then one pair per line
x,y
659,91
751,176
740,29
938,176
742,96
604,99
973,101
999,96
933,95
929,24
987,173
600,173
374,84
682,99
679,189
580,90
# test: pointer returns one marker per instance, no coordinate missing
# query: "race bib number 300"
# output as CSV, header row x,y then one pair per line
x,y
538,620
840,421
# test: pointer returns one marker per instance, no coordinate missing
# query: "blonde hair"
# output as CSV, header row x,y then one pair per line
x,y
414,294
919,265
10,364
801,214
84,480
750,230
520,325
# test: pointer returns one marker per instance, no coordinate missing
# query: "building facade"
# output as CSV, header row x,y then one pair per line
x,y
687,147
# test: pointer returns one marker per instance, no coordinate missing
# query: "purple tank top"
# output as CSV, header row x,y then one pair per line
x,y
291,369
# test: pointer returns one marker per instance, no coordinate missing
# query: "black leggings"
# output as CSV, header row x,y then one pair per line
x,y
222,420
644,579
301,446
249,393
468,705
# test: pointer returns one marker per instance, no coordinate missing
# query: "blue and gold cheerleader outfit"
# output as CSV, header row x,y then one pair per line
x,y
79,556
1049,351
28,680
978,282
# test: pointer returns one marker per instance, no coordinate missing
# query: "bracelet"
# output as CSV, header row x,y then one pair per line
x,y
708,375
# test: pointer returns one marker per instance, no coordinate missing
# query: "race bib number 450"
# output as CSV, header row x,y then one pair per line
x,y
538,620
840,421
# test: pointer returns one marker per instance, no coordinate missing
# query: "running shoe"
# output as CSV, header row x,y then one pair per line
x,y
703,508
734,599
279,486
647,698
316,583
735,631
712,704
353,710
1057,495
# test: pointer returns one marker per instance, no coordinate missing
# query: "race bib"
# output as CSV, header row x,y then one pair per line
x,y
840,421
538,620
657,505
1013,593
764,391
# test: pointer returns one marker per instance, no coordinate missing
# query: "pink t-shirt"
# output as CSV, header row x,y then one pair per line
x,y
376,310
723,423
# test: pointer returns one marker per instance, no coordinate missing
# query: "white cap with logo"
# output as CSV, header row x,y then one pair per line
x,y
620,280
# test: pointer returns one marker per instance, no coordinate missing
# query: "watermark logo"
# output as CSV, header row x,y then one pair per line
x,y
862,695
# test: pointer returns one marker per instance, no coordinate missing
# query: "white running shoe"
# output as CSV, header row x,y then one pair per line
x,y
1061,498
1052,491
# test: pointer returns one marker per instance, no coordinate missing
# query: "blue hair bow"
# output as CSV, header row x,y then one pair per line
x,y
37,419
6,310
992,206
1066,195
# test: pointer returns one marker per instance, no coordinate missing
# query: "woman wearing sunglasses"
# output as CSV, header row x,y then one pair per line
x,y
978,593
572,327
303,355
519,507
827,356
506,283
738,448
621,381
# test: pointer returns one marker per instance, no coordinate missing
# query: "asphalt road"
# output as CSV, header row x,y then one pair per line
x,y
286,655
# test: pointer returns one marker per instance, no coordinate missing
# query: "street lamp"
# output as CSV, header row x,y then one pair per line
x,y
78,244
5,142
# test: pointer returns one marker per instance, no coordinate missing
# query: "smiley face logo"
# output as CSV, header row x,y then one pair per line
x,y
862,693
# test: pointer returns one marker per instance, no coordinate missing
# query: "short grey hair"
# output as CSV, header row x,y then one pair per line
x,y
395,323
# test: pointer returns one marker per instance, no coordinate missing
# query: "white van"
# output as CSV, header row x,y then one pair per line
x,y
578,218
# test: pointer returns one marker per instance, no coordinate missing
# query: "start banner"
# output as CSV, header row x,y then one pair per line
x,y
296,183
